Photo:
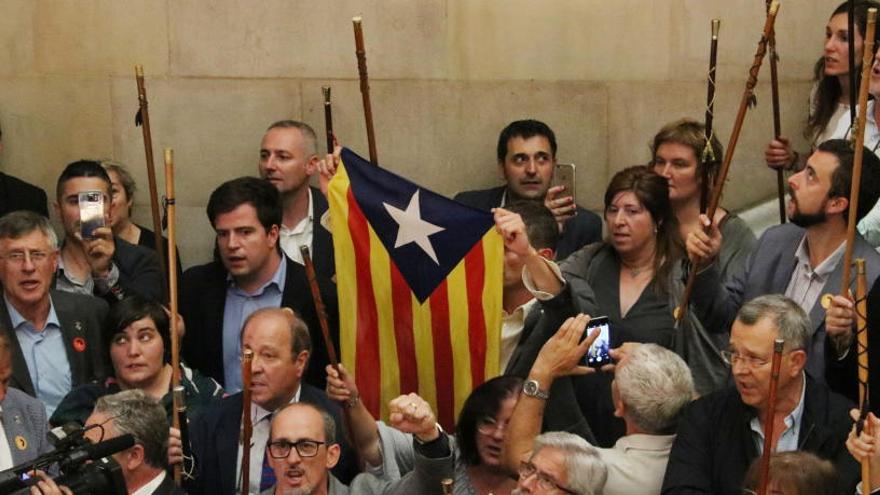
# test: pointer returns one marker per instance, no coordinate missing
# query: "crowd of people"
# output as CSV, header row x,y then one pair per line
x,y
681,407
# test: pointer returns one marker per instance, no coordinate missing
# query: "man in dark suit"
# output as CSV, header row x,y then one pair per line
x,y
252,273
802,259
16,194
55,337
288,158
102,264
526,162
144,465
281,344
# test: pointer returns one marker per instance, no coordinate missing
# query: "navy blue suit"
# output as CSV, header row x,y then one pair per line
x,y
578,231
16,194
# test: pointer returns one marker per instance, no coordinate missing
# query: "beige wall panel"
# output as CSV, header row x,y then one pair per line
x,y
800,27
560,39
444,134
306,39
213,125
195,237
101,36
49,122
16,37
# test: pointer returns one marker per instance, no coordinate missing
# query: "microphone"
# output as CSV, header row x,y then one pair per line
x,y
96,451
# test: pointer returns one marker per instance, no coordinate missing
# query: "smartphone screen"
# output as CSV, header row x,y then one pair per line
x,y
597,355
563,175
91,212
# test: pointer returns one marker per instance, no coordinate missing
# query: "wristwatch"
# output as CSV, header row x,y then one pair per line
x,y
532,388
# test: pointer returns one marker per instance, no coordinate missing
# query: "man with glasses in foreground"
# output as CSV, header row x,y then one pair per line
x,y
719,435
561,463
54,336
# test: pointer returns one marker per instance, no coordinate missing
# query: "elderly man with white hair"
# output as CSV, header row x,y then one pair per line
x,y
561,462
651,385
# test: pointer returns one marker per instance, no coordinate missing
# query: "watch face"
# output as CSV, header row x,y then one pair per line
x,y
530,387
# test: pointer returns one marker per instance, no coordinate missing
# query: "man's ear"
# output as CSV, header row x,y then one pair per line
x,y
302,360
836,205
333,453
134,457
312,164
547,253
798,360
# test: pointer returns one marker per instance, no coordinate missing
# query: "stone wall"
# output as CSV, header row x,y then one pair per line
x,y
446,76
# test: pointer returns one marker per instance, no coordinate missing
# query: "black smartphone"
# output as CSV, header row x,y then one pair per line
x,y
597,355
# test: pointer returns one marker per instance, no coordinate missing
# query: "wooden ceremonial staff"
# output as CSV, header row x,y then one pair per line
x,y
361,53
708,153
328,118
777,123
867,60
319,305
718,187
447,484
179,406
143,118
853,89
862,337
764,467
247,425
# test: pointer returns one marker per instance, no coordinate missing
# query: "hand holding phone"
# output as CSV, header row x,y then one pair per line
x,y
598,354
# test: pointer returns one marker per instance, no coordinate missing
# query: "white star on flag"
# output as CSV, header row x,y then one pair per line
x,y
412,228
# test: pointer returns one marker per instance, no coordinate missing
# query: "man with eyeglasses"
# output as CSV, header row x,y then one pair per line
x,y
281,345
719,435
561,463
143,465
54,336
301,456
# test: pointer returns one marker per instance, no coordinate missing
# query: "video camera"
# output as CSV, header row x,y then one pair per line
x,y
72,454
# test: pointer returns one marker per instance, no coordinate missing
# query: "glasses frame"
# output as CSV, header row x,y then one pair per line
x,y
289,446
527,470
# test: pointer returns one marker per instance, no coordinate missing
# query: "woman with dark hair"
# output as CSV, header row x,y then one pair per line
x,y
830,98
634,278
479,435
139,347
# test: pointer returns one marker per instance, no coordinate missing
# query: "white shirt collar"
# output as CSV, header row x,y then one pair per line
x,y
151,487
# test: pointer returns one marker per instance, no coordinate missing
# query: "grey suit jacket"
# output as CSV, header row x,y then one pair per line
x,y
768,271
24,417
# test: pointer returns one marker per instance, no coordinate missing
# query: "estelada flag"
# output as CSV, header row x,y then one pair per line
x,y
419,279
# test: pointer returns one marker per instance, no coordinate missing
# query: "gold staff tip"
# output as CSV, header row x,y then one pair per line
x,y
860,266
169,155
716,26
872,14
139,70
326,91
356,19
774,7
778,344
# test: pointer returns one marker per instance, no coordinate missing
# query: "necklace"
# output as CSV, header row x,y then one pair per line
x,y
635,272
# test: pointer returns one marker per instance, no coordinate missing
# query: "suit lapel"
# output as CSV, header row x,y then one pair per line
x,y
75,340
21,378
228,443
216,299
15,425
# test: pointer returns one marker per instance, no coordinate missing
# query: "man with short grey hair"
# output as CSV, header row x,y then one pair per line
x,y
651,385
55,337
562,462
132,412
722,433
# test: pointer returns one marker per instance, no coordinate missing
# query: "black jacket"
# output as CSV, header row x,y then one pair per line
x,y
203,298
16,194
580,230
714,446
214,437
322,241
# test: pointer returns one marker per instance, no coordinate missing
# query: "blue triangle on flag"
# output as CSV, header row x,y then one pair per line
x,y
425,234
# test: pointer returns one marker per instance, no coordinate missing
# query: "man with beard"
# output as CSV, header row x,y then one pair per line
x,y
802,259
526,161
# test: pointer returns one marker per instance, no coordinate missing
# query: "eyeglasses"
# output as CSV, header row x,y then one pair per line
x,y
100,428
19,257
544,480
490,425
280,449
731,357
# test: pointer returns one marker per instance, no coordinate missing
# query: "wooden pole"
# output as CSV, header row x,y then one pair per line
x,y
247,424
777,121
144,119
867,62
709,158
319,305
328,119
718,187
361,53
764,470
177,398
862,339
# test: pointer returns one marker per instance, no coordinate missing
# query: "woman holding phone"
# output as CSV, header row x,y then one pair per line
x,y
633,278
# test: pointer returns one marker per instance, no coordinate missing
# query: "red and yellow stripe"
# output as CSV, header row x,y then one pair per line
x,y
440,349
